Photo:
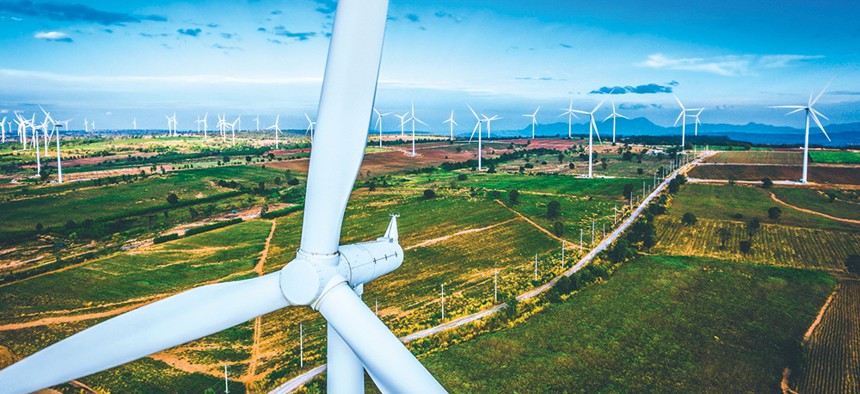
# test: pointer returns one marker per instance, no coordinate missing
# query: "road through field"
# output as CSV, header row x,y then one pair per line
x,y
775,198
299,381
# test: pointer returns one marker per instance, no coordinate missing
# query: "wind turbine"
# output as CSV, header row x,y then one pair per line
x,y
277,130
379,117
3,127
169,125
592,129
571,113
614,115
310,128
683,118
451,123
534,120
86,126
403,121
205,125
810,113
222,125
233,130
59,161
478,129
414,119
489,122
198,121
134,124
257,121
45,133
321,275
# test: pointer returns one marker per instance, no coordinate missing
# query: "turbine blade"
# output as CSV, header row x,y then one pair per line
x,y
609,117
419,121
820,93
473,112
341,134
389,362
161,325
817,122
819,113
679,102
598,106
797,110
679,118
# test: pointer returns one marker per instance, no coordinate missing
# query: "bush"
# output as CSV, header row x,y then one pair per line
x,y
165,238
628,189
428,194
674,185
293,181
753,225
280,212
852,263
553,209
462,177
774,213
766,183
210,227
172,198
511,310
558,229
514,197
689,219
745,246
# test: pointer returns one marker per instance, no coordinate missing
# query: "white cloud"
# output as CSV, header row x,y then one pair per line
x,y
724,65
53,36
187,79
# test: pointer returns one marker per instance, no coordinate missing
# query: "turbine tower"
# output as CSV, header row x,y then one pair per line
x,y
489,121
592,129
810,113
451,123
277,129
614,115
682,117
257,121
379,117
571,113
413,119
320,276
310,129
3,127
478,129
534,120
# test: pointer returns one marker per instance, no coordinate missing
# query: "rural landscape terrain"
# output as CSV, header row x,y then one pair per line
x,y
708,270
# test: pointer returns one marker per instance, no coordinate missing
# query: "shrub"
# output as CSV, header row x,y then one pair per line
x,y
558,229
753,225
213,226
553,209
172,198
428,194
462,177
165,238
689,219
674,185
628,188
514,197
745,246
511,310
766,183
852,263
773,213
293,181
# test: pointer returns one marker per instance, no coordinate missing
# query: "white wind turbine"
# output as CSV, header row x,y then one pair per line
x,y
86,126
614,115
46,134
277,130
592,129
199,122
403,122
233,130
534,120
59,161
222,125
413,119
257,121
682,117
310,129
571,113
206,125
451,123
134,124
697,122
323,275
478,129
379,117
813,114
489,122
3,128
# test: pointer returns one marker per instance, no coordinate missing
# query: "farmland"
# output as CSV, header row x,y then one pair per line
x,y
833,349
689,329
834,202
836,157
817,174
757,157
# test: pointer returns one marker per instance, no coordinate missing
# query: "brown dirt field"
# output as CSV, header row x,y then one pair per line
x,y
95,160
558,144
817,174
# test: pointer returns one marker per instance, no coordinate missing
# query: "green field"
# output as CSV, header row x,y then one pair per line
x,y
816,174
661,324
845,203
836,157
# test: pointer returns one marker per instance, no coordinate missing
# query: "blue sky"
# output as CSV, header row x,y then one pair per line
x,y
113,61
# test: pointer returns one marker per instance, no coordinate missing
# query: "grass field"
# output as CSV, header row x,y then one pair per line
x,y
694,325
846,205
773,244
727,202
833,349
817,174
757,157
838,157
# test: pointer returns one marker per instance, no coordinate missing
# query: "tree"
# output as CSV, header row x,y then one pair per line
x,y
553,209
172,198
511,310
462,177
514,197
371,186
674,186
571,165
724,234
852,263
247,159
752,226
560,158
766,183
558,229
773,213
278,181
39,227
745,246
640,171
732,180
689,219
428,194
293,181
628,188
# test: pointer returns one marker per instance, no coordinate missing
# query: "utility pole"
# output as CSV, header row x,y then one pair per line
x,y
562,253
615,213
443,302
226,386
496,286
376,308
592,233
580,239
536,269
301,345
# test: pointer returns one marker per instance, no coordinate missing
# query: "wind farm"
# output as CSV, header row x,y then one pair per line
x,y
324,247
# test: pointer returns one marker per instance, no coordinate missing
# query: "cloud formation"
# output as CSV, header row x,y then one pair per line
x,y
412,17
446,15
651,88
635,106
326,7
725,65
74,13
282,31
53,36
190,32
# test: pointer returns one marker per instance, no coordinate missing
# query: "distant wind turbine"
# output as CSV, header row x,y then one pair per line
x,y
534,120
489,122
257,121
614,115
233,129
592,129
134,124
571,113
403,121
451,123
277,130
3,127
310,129
379,117
413,119
478,129
682,117
810,113
697,122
